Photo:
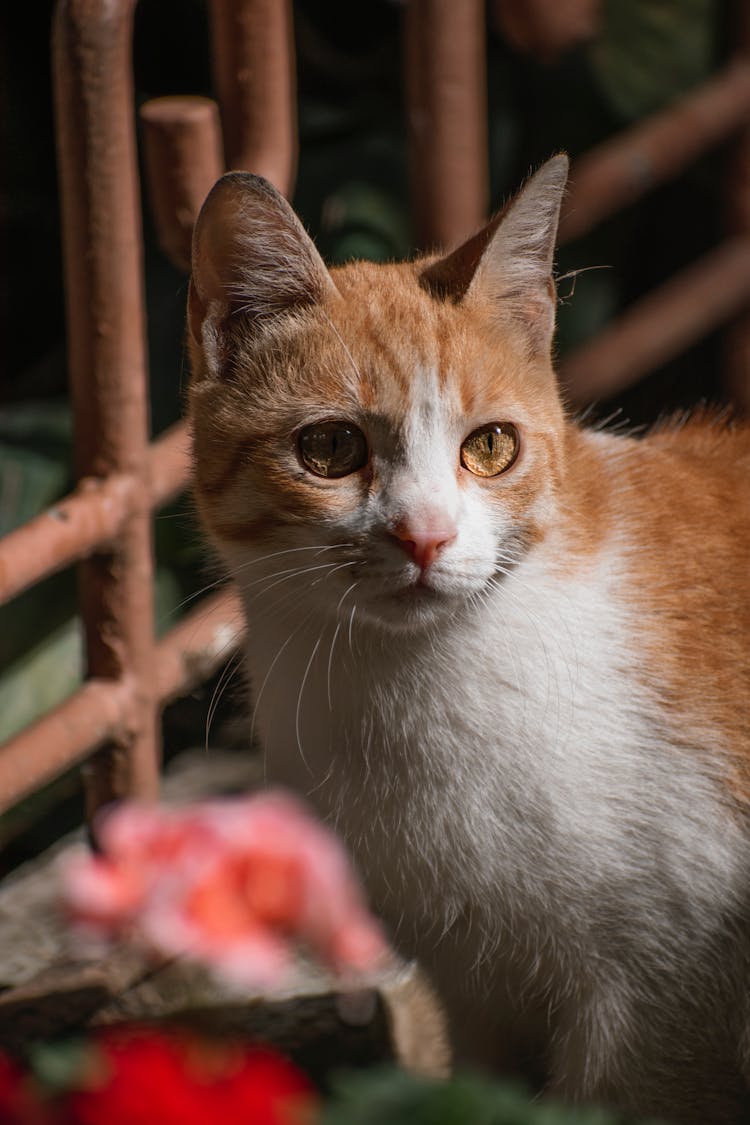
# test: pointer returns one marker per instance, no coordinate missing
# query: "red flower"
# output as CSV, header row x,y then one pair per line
x,y
144,1077
233,883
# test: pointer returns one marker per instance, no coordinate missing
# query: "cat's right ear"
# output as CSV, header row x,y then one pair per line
x,y
252,258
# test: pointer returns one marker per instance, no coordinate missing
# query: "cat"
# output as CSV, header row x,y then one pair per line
x,y
506,656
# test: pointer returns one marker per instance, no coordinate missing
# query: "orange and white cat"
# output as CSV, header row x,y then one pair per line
x,y
508,657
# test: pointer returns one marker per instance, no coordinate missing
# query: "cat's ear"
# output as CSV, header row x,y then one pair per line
x,y
251,256
508,265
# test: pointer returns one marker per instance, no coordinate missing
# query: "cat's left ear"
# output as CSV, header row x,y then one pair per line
x,y
508,265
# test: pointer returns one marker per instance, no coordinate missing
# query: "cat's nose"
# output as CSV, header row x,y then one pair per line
x,y
423,541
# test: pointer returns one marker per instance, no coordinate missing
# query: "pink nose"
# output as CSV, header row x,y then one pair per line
x,y
423,541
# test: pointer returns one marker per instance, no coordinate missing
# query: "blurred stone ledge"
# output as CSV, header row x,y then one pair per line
x,y
50,988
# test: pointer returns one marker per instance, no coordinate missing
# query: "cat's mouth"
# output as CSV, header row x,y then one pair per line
x,y
407,603
405,607
418,597
416,593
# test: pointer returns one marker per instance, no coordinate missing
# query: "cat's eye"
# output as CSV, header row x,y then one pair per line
x,y
333,449
491,449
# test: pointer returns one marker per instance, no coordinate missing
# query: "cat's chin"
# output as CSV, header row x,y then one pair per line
x,y
410,607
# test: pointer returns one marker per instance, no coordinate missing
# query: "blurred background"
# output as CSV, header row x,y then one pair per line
x,y
353,194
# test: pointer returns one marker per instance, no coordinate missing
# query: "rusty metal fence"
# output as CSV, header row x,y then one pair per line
x,y
111,724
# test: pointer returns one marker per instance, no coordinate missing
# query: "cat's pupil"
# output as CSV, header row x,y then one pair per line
x,y
332,449
491,449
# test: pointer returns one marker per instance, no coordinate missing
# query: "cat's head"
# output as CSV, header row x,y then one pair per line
x,y
388,436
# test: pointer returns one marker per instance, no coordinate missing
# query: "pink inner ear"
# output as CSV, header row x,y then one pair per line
x,y
196,312
537,312
252,254
451,276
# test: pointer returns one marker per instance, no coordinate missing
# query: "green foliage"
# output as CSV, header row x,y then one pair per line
x,y
361,222
35,443
41,677
59,1066
46,672
650,52
387,1095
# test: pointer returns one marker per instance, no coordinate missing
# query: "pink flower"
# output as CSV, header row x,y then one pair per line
x,y
234,883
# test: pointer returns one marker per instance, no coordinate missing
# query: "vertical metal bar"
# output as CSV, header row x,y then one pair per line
x,y
254,72
182,160
737,369
446,94
102,246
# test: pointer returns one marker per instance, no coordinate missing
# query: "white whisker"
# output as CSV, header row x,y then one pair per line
x,y
226,677
267,677
299,705
330,660
336,566
233,572
287,575
340,339
341,599
289,551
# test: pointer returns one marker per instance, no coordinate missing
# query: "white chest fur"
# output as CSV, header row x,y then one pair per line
x,y
509,781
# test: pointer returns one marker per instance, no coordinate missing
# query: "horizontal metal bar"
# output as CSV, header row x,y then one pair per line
x,y
67,735
620,171
662,324
67,531
186,656
91,516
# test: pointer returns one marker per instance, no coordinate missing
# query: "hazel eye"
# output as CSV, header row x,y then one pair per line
x,y
491,449
333,449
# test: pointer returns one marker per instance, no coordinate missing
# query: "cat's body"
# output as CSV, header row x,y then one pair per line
x,y
522,698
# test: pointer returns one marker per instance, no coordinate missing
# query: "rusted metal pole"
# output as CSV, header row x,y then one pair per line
x,y
102,239
621,171
445,77
737,363
96,713
182,159
661,324
255,77
89,518
66,532
100,710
